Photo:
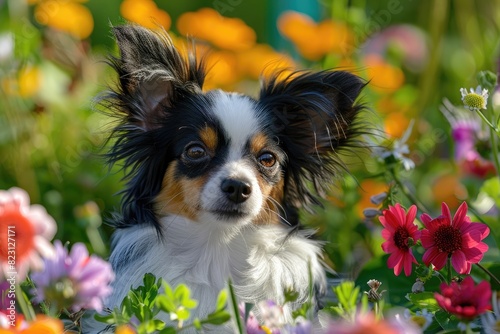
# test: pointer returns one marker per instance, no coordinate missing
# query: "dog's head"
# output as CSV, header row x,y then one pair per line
x,y
222,158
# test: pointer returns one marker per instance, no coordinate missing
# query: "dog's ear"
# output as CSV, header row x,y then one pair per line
x,y
314,117
152,75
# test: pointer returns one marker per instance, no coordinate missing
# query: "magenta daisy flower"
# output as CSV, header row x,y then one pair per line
x,y
400,234
465,300
458,238
75,280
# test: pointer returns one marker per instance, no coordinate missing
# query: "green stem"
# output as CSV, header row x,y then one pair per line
x,y
493,139
492,127
448,269
406,192
493,277
24,305
468,329
234,305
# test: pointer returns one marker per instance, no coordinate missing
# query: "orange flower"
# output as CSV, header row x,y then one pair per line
x,y
448,189
222,71
124,329
145,13
384,78
25,232
67,16
367,189
313,40
41,325
225,33
395,124
262,60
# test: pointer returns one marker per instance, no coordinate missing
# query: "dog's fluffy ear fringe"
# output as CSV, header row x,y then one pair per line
x,y
316,118
153,75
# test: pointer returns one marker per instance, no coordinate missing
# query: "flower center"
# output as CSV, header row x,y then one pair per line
x,y
448,239
17,235
401,238
474,101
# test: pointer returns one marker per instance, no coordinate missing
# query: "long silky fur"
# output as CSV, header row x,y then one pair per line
x,y
147,59
319,109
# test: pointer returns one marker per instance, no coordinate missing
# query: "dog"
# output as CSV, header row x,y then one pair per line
x,y
215,180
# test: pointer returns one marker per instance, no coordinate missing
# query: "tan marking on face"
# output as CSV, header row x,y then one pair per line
x,y
273,197
179,196
209,138
258,142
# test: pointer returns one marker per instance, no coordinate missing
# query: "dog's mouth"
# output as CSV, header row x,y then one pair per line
x,y
228,213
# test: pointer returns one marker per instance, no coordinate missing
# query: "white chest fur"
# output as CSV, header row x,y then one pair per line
x,y
262,261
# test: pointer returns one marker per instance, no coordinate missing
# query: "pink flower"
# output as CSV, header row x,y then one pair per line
x,y
366,322
459,239
25,232
75,280
465,300
400,234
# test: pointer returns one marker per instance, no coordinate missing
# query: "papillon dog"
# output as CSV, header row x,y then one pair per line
x,y
215,180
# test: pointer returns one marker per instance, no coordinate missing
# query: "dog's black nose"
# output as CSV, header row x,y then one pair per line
x,y
237,191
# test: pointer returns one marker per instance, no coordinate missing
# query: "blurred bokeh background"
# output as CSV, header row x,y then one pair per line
x,y
414,54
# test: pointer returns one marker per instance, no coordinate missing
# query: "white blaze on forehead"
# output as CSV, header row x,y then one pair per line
x,y
238,117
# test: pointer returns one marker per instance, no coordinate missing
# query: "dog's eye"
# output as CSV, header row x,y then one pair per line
x,y
267,159
196,152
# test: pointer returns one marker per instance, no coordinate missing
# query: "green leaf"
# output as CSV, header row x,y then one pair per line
x,y
168,330
151,326
491,188
149,281
165,303
487,79
217,318
107,319
181,314
221,300
446,321
197,324
424,300
290,296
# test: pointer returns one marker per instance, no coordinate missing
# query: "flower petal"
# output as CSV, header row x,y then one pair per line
x,y
445,210
459,262
458,219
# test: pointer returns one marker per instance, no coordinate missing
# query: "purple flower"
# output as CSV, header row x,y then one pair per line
x,y
75,280
467,133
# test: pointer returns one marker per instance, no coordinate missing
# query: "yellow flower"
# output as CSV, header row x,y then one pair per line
x,y
145,13
475,100
67,16
223,32
26,84
315,40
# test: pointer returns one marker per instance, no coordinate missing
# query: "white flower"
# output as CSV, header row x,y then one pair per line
x,y
421,318
396,148
491,321
475,100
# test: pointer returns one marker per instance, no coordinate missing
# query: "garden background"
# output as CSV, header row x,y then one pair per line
x,y
416,55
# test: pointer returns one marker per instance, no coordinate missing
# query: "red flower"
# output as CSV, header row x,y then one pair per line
x,y
465,300
400,234
459,239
